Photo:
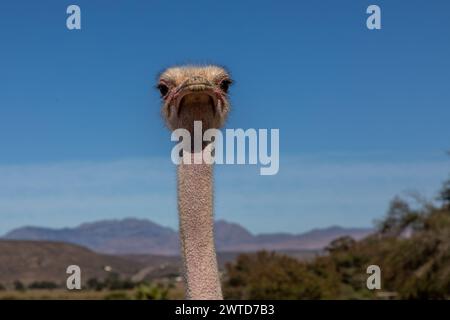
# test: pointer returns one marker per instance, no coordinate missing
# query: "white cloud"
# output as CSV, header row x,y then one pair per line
x,y
307,192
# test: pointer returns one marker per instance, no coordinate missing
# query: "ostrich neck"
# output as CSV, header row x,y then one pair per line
x,y
195,205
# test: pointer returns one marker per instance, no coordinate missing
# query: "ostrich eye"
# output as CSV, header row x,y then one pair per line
x,y
163,89
225,85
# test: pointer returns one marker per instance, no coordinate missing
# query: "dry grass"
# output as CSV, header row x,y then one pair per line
x,y
175,293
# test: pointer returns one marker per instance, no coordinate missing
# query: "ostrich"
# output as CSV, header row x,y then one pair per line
x,y
196,93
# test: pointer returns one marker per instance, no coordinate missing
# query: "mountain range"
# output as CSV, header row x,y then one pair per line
x,y
141,236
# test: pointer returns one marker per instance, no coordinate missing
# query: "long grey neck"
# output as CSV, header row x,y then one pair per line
x,y
195,206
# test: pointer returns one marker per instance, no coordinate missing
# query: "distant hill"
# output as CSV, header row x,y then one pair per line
x,y
30,261
108,236
140,236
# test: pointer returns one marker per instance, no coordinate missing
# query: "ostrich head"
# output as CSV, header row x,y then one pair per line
x,y
194,93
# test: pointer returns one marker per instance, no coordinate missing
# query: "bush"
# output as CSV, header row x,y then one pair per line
x,y
43,285
267,275
94,284
19,286
151,292
112,282
445,194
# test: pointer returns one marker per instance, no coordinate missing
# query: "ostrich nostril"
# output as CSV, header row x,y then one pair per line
x,y
197,79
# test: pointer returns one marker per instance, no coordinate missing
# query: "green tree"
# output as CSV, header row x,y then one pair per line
x,y
445,194
19,286
43,285
114,282
398,218
95,284
151,292
266,275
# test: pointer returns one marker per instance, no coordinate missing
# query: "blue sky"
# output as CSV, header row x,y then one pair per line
x,y
363,115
